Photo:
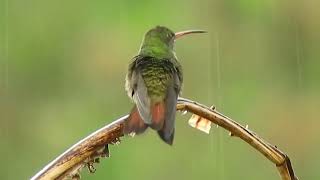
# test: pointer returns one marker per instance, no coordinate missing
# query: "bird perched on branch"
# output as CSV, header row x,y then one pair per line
x,y
154,82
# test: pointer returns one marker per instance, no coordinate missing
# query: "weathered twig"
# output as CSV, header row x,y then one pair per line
x,y
88,151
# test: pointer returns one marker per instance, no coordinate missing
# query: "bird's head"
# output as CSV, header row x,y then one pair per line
x,y
159,41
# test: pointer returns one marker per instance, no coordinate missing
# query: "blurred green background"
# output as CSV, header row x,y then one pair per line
x,y
62,73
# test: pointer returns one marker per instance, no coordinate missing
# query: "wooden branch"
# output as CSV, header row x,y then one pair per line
x,y
90,149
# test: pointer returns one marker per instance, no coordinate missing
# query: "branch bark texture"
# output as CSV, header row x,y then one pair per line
x,y
89,150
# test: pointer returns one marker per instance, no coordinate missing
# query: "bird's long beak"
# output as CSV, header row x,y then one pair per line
x,y
182,33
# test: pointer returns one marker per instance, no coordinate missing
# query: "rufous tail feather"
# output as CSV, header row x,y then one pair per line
x,y
134,123
158,114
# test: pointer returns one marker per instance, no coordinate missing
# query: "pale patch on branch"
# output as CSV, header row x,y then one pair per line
x,y
87,152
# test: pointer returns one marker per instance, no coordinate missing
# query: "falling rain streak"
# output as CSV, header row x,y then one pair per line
x,y
219,102
6,46
298,54
215,45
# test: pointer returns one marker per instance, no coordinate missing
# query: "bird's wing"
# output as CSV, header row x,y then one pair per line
x,y
167,133
141,97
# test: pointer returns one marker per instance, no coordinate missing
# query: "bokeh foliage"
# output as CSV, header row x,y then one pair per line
x,y
62,69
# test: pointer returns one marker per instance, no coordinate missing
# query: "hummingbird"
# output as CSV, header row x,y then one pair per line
x,y
153,82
